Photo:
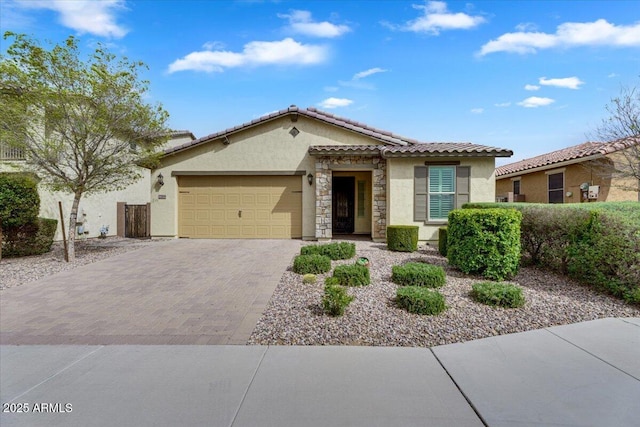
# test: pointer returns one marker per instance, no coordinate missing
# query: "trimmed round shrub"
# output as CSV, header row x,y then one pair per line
x,y
402,238
352,275
498,294
30,239
309,278
418,274
335,251
335,299
311,264
420,300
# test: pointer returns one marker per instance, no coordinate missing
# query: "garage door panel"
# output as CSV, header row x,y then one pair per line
x,y
209,206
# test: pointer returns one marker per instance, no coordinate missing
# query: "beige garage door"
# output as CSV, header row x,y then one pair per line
x,y
240,207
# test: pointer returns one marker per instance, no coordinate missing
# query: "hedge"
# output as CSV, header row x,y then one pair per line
x,y
19,200
335,251
311,264
485,241
30,239
498,294
420,300
418,274
402,238
352,275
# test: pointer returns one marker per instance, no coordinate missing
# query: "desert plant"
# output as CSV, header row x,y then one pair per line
x,y
335,299
311,264
485,241
352,275
420,300
418,274
402,238
309,278
498,293
335,251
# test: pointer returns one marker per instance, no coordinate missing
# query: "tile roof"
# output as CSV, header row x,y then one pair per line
x,y
390,139
576,152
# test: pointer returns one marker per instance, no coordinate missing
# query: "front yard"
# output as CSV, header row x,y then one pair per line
x,y
294,316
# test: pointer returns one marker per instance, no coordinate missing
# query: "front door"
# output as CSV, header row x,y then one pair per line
x,y
343,190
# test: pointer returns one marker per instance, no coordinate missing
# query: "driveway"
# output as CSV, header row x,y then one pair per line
x,y
175,292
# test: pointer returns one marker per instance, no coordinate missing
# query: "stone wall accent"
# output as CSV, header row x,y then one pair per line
x,y
323,193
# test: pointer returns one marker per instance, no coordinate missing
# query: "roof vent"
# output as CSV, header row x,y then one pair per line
x,y
294,131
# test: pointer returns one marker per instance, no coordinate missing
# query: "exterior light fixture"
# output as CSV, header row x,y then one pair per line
x,y
310,179
160,180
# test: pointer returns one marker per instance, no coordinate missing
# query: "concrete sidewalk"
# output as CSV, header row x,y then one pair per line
x,y
586,374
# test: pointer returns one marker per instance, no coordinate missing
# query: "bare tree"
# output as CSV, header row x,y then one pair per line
x,y
621,134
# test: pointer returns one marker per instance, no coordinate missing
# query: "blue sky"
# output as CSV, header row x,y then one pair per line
x,y
531,76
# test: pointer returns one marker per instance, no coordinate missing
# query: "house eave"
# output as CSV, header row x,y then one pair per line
x,y
550,166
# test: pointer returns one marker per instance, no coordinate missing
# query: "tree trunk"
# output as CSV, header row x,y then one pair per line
x,y
72,227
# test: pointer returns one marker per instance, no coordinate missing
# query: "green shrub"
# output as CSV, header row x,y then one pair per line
x,y
402,238
309,278
442,241
19,200
485,241
29,239
352,275
311,264
418,274
420,300
498,293
335,251
335,299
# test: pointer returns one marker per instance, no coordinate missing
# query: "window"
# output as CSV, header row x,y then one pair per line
x,y
556,187
438,189
516,187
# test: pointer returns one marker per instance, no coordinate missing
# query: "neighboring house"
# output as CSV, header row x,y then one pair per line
x,y
304,173
97,210
570,175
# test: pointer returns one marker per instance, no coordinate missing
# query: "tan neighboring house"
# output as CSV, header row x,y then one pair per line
x,y
98,210
304,173
570,175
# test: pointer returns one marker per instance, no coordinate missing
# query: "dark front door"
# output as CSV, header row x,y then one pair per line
x,y
343,190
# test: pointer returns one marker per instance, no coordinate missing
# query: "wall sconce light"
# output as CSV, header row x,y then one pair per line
x,y
160,180
310,179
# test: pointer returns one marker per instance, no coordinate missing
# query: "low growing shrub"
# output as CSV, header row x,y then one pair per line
x,y
485,241
335,299
498,293
29,239
352,275
418,274
442,241
402,238
309,278
311,264
420,300
335,251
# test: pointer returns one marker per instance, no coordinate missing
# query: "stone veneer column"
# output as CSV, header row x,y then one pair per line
x,y
324,199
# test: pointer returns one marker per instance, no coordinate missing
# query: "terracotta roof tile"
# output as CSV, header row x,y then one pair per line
x,y
579,151
446,149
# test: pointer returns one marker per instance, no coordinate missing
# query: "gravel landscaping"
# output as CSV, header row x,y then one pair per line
x,y
294,315
18,271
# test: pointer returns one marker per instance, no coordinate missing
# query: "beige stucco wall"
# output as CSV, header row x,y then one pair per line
x,y
400,183
267,147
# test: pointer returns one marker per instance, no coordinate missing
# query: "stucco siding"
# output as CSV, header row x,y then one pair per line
x,y
400,185
268,147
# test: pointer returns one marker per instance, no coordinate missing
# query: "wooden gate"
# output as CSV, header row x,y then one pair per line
x,y
136,221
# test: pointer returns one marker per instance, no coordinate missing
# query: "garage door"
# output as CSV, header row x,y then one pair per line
x,y
240,207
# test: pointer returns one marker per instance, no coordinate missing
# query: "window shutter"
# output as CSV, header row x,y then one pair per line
x,y
463,185
420,193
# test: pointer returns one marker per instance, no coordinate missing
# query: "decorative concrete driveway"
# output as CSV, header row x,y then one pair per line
x,y
175,292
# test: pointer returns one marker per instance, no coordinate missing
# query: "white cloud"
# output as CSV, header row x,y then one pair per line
x,y
503,104
335,103
535,102
84,16
569,34
331,88
567,82
531,87
612,75
300,22
477,110
436,18
286,51
526,26
214,45
367,73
